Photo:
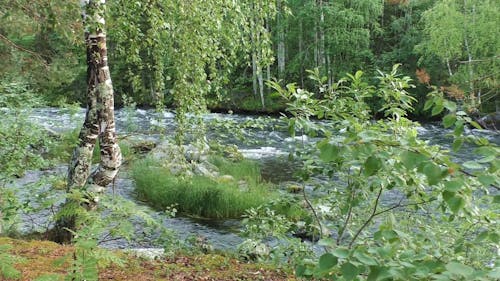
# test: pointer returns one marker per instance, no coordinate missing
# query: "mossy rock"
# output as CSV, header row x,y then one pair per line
x,y
294,188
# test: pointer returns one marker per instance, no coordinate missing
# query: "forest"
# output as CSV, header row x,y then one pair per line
x,y
249,140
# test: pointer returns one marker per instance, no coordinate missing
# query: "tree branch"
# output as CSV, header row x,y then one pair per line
x,y
482,60
22,49
349,212
399,205
374,213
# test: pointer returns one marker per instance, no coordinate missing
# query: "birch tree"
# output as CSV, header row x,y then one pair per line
x,y
464,35
99,124
259,45
99,119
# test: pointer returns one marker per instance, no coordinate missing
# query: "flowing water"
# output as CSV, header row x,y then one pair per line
x,y
266,140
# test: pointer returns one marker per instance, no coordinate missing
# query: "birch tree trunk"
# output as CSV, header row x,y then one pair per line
x,y
322,56
261,85
319,37
301,52
281,41
469,56
268,66
99,119
253,45
254,73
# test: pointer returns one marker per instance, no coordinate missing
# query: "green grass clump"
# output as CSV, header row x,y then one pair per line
x,y
202,196
245,169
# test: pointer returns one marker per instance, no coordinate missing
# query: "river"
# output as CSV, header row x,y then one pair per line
x,y
263,139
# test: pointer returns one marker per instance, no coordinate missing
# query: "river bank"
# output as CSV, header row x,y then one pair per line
x,y
44,260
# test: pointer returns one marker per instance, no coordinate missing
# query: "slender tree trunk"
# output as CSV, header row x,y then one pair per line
x,y
254,73
316,43
281,41
99,119
301,53
469,56
329,70
322,56
261,86
253,45
319,37
449,67
111,156
268,66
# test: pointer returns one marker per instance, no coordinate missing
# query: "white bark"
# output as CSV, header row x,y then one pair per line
x,y
99,119
281,42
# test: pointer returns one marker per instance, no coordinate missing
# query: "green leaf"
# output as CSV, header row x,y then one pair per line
x,y
496,199
378,273
349,271
459,128
327,242
300,270
453,186
412,159
494,237
495,274
455,202
485,151
428,104
341,253
385,251
328,152
457,144
449,120
483,235
451,106
487,159
327,261
486,180
433,173
472,165
459,269
475,125
372,165
365,259
374,273
438,108
388,234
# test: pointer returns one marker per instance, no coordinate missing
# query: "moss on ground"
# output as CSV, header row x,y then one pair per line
x,y
41,258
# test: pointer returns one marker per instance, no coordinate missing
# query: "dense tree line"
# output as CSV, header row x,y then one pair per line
x,y
221,53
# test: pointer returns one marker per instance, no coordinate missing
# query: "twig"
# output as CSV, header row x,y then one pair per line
x,y
374,213
314,213
402,206
482,60
22,49
349,212
307,200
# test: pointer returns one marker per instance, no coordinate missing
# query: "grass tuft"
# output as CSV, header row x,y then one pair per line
x,y
203,196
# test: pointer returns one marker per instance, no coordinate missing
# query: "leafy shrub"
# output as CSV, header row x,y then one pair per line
x,y
397,207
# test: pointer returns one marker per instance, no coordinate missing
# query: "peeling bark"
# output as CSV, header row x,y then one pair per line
x,y
110,151
99,121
